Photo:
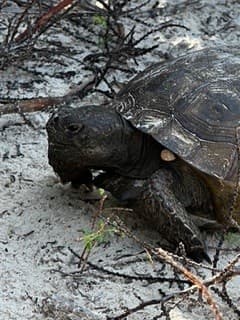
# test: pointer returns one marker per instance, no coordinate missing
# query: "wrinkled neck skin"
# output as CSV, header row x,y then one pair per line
x,y
142,155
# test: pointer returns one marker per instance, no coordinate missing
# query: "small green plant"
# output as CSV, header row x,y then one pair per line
x,y
101,192
100,20
92,238
233,238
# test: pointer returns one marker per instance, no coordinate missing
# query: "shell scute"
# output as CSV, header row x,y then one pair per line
x,y
191,105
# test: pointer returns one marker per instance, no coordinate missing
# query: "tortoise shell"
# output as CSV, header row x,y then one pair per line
x,y
191,105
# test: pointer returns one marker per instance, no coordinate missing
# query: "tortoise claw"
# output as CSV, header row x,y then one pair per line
x,y
200,255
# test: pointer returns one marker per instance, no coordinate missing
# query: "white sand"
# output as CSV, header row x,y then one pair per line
x,y
40,218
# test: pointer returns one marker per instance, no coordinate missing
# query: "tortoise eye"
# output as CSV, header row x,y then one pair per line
x,y
75,128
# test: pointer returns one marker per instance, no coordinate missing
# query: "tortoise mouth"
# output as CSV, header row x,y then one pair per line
x,y
84,176
77,176
70,165
59,146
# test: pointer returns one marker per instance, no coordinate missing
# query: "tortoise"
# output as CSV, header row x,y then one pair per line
x,y
168,145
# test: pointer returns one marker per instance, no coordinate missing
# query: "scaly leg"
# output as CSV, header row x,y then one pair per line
x,y
155,200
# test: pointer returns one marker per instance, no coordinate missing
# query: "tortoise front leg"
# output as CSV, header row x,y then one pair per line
x,y
169,216
155,201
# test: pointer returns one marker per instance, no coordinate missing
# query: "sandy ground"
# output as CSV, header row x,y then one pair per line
x,y
41,220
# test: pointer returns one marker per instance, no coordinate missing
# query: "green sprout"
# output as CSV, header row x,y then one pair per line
x,y
100,20
92,238
233,238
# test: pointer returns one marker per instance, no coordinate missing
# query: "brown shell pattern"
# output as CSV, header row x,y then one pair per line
x,y
191,105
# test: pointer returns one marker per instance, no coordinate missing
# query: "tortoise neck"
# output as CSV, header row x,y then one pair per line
x,y
142,156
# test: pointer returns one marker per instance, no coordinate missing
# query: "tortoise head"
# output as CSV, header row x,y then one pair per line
x,y
86,138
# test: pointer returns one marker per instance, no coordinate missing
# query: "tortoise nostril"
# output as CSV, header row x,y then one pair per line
x,y
55,119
